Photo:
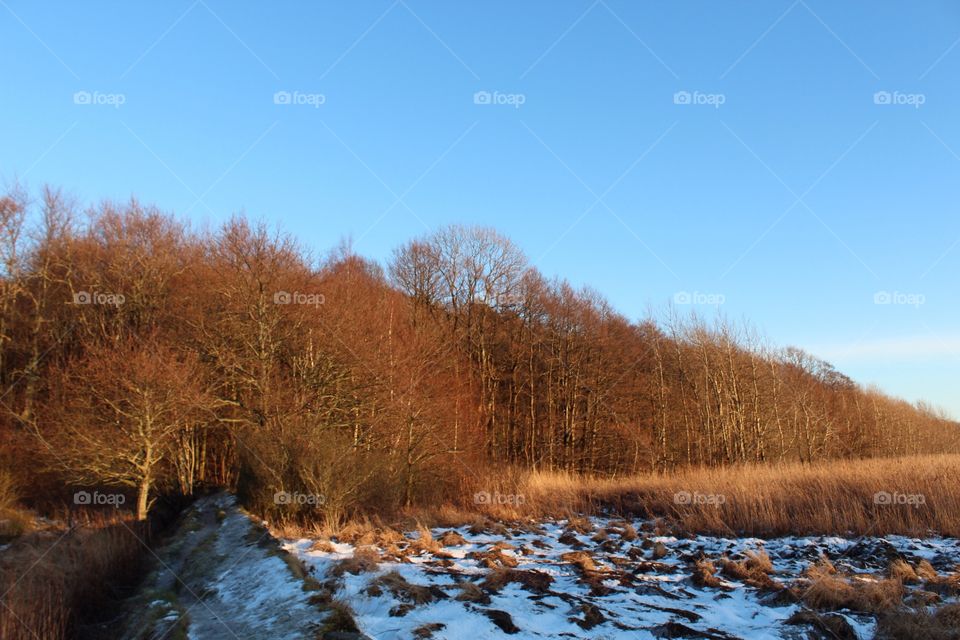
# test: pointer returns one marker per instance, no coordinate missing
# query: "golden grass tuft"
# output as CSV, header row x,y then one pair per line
x,y
902,571
827,589
471,592
404,590
530,579
340,619
754,570
9,491
425,542
452,539
941,624
364,560
948,616
579,524
822,567
704,574
495,559
758,560
659,551
322,545
926,571
582,560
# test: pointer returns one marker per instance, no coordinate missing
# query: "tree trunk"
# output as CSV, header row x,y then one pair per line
x,y
143,493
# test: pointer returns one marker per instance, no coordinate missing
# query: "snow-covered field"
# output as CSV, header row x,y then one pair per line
x,y
594,578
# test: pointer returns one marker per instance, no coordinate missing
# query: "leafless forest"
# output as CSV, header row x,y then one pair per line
x,y
138,353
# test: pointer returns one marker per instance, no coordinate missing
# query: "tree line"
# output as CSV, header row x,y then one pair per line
x,y
136,352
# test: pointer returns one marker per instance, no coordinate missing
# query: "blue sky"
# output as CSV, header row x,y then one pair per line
x,y
794,160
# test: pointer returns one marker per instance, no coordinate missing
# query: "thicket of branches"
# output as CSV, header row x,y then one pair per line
x,y
135,352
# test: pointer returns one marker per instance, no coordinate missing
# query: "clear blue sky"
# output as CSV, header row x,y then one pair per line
x,y
784,184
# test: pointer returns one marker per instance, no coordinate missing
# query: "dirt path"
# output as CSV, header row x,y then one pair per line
x,y
223,577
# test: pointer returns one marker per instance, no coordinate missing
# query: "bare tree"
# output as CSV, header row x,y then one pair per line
x,y
121,411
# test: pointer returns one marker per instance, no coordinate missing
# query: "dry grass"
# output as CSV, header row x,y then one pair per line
x,y
828,590
452,539
425,542
628,533
578,524
9,494
494,559
945,585
659,551
704,574
53,586
403,590
471,592
941,624
759,560
58,582
14,522
322,545
754,569
530,579
764,500
360,532
363,560
902,571
340,620
926,571
830,625
582,560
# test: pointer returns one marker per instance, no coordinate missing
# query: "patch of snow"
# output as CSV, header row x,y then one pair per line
x,y
631,608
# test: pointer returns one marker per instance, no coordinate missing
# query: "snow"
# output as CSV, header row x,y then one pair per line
x,y
633,609
221,583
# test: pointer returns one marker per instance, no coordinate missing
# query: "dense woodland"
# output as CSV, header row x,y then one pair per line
x,y
138,353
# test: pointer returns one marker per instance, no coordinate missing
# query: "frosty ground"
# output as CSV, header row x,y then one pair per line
x,y
223,575
610,578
